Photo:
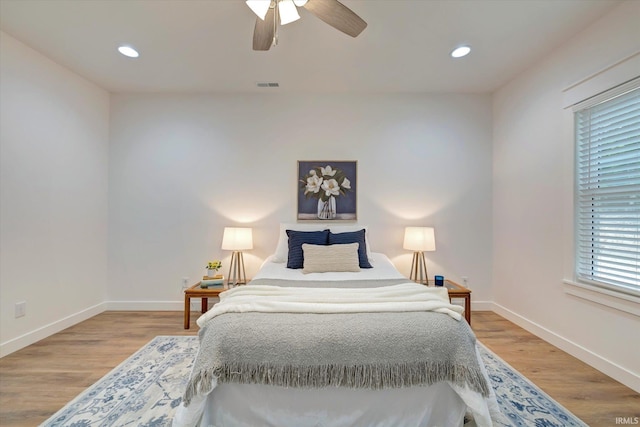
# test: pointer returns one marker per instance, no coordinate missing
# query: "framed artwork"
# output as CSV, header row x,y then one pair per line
x,y
327,190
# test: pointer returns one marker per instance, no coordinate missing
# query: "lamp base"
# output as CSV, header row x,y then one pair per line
x,y
419,269
236,270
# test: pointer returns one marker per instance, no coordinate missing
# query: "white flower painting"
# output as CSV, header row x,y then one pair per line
x,y
327,190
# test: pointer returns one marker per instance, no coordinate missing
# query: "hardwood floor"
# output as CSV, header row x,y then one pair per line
x,y
38,380
589,394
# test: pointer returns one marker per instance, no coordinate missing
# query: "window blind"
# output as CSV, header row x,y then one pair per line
x,y
608,190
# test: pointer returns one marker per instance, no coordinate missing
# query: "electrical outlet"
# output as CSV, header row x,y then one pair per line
x,y
21,309
185,282
465,281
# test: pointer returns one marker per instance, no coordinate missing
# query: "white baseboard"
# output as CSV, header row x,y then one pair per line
x,y
481,306
146,305
29,338
603,365
153,305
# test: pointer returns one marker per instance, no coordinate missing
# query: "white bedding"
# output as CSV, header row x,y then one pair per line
x,y
239,405
382,269
251,405
274,299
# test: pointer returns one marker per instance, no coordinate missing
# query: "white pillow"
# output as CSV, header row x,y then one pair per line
x,y
326,258
282,248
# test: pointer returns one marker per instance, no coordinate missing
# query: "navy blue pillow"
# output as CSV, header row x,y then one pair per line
x,y
352,237
297,238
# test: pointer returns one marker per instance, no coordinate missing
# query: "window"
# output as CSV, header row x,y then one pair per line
x,y
607,129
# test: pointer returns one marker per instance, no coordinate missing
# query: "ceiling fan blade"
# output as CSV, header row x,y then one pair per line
x,y
337,15
263,31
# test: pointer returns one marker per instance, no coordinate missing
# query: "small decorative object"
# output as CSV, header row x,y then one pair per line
x,y
327,190
439,280
327,208
213,267
212,283
237,239
419,240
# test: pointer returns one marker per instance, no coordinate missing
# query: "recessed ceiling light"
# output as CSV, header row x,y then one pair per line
x,y
128,51
460,51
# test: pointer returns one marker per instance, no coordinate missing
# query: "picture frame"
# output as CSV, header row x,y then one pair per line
x,y
327,190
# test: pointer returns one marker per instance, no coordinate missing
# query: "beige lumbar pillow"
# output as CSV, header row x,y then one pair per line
x,y
325,258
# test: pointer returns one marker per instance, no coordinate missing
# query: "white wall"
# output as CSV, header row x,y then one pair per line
x,y
533,202
183,167
53,195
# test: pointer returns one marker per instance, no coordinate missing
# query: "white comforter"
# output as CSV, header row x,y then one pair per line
x,y
274,299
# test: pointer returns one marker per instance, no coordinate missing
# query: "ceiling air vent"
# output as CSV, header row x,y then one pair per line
x,y
268,84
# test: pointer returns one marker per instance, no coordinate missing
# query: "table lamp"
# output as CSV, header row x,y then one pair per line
x,y
237,239
419,240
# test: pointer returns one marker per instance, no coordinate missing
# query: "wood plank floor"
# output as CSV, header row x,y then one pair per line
x,y
592,396
38,380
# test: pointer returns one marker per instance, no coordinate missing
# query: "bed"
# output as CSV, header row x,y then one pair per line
x,y
312,346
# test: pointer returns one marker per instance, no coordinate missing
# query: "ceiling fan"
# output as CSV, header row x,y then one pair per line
x,y
332,12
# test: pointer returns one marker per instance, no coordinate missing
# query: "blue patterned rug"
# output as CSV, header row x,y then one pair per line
x,y
146,389
521,402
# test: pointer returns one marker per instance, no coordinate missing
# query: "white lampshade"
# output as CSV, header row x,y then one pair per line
x,y
259,7
237,239
419,239
288,12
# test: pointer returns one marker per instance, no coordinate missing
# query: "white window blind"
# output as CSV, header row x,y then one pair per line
x,y
608,189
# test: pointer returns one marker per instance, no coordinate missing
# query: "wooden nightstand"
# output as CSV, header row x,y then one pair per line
x,y
204,294
458,291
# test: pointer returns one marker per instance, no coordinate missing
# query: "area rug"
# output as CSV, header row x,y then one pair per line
x,y
521,402
146,389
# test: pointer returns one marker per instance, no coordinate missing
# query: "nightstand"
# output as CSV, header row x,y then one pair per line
x,y
458,291
204,294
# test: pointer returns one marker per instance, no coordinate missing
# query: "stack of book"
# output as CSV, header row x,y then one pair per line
x,y
212,282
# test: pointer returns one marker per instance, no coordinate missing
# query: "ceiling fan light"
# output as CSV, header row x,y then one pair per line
x,y
288,12
259,7
460,51
300,3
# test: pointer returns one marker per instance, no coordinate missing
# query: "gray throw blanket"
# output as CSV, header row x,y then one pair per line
x,y
357,350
